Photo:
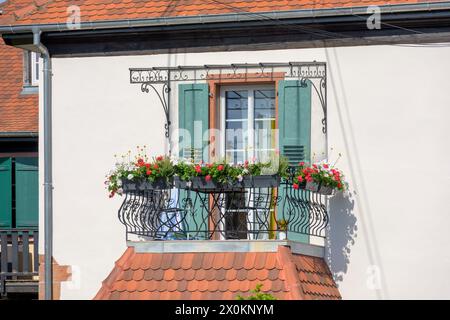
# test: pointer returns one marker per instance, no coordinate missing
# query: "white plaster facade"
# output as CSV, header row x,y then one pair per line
x,y
387,114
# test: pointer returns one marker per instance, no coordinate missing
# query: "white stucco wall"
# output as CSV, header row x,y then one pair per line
x,y
387,115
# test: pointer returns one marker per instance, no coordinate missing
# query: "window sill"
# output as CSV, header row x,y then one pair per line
x,y
30,90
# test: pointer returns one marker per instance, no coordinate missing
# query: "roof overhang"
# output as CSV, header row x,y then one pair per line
x,y
167,33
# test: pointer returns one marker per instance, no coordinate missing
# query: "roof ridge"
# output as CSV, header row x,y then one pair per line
x,y
292,282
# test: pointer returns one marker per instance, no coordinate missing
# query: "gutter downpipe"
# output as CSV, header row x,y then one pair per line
x,y
48,176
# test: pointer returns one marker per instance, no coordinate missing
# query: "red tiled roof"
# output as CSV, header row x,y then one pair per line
x,y
18,112
217,276
55,11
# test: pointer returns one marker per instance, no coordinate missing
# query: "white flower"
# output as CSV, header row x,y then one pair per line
x,y
130,177
119,182
240,178
245,171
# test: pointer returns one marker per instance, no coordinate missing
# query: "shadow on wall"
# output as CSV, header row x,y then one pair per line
x,y
342,231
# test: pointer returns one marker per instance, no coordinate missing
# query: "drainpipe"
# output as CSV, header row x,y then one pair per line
x,y
48,184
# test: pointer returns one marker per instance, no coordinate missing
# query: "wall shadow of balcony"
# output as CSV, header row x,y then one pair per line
x,y
341,234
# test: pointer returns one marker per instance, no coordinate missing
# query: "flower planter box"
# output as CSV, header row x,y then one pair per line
x,y
326,190
159,184
263,181
312,186
200,183
316,187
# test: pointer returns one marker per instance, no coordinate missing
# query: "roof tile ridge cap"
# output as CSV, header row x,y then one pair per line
x,y
293,284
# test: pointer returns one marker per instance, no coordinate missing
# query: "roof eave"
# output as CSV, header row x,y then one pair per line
x,y
229,17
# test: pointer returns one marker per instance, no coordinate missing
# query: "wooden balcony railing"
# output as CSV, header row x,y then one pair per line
x,y
19,260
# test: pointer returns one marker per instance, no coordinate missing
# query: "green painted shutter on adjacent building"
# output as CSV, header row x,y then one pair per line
x,y
294,123
5,193
27,202
193,115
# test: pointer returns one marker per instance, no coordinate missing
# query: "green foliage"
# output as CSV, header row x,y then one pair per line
x,y
321,173
257,294
141,168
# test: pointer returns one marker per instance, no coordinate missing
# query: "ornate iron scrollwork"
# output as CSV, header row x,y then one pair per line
x,y
149,77
163,96
222,214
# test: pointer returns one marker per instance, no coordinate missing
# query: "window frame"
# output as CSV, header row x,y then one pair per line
x,y
251,148
31,69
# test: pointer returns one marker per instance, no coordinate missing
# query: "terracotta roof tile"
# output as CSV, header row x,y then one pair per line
x,y
220,276
55,11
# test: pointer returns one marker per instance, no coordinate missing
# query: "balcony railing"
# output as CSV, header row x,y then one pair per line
x,y
222,213
19,260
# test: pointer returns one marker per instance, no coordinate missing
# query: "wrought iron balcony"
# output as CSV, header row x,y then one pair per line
x,y
19,261
222,212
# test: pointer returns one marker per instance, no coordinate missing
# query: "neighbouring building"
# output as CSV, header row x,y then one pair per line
x,y
19,72
327,80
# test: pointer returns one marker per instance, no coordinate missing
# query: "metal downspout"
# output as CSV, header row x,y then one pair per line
x,y
48,178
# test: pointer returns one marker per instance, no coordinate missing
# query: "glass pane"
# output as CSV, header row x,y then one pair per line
x,y
264,104
236,135
264,135
232,156
236,104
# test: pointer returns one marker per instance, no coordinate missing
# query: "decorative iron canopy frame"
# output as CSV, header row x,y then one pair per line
x,y
159,79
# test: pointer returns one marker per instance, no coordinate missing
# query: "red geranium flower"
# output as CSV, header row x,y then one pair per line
x,y
300,179
159,158
325,166
220,167
147,165
314,166
208,177
149,172
155,166
198,169
301,164
140,162
295,186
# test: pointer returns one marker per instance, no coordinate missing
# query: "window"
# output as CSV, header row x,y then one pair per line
x,y
31,69
248,117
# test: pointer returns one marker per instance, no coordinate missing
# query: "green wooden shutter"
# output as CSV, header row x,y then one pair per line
x,y
294,123
5,193
294,104
27,203
193,115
